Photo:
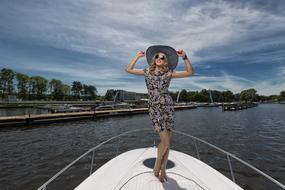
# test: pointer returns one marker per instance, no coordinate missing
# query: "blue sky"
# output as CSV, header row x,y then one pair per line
x,y
233,45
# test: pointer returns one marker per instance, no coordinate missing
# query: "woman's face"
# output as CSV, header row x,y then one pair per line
x,y
160,59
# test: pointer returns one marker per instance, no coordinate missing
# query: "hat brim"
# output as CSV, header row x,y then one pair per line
x,y
167,50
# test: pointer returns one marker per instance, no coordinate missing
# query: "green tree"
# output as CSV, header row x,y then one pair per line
x,y
274,98
22,85
32,89
38,87
205,97
248,95
109,96
228,96
66,91
7,82
56,88
198,97
263,98
204,93
91,91
282,93
183,96
237,96
85,92
216,95
76,89
1,86
174,95
191,95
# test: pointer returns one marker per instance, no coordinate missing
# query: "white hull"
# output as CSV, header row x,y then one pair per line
x,y
128,172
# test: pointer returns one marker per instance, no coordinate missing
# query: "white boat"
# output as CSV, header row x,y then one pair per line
x,y
66,108
122,105
132,170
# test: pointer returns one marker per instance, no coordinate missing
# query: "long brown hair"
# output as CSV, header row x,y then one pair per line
x,y
153,65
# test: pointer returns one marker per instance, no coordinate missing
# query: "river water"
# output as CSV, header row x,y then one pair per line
x,y
29,156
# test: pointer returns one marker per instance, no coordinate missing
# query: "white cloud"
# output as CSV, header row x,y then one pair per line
x,y
119,28
270,87
116,30
281,71
221,82
229,82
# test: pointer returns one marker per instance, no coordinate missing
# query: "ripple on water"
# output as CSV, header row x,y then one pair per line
x,y
35,154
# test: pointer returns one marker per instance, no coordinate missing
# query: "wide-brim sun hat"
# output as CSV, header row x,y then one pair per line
x,y
170,53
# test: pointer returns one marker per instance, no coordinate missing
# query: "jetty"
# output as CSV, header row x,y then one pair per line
x,y
27,120
235,106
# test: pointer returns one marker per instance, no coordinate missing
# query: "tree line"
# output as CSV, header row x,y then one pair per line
x,y
39,88
249,95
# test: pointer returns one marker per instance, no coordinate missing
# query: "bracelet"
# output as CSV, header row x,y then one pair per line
x,y
185,57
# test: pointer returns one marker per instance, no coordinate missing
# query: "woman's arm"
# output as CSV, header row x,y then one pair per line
x,y
189,68
130,67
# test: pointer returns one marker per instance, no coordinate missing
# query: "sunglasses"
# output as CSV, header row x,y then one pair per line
x,y
161,57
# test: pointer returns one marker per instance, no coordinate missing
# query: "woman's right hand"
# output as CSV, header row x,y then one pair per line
x,y
140,54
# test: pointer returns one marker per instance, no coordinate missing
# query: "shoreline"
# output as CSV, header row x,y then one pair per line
x,y
35,104
27,120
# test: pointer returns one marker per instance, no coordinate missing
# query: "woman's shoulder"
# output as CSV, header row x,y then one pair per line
x,y
169,73
146,70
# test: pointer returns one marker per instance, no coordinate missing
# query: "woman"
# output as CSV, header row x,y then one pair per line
x,y
162,61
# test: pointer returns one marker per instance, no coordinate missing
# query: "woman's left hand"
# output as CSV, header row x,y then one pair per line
x,y
181,53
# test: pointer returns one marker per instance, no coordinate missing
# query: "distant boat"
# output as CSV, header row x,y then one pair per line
x,y
188,105
66,108
212,103
201,104
181,104
122,105
234,106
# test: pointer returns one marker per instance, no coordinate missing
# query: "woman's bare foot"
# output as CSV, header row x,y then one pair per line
x,y
156,167
162,176
156,170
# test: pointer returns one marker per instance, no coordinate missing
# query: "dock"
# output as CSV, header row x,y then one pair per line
x,y
27,120
238,106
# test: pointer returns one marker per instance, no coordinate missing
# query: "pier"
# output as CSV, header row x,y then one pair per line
x,y
26,120
238,106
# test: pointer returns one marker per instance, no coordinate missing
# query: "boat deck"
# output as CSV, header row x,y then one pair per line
x,y
130,171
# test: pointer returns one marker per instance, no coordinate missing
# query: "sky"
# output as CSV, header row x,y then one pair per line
x,y
232,44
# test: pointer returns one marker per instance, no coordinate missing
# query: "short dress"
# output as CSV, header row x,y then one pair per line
x,y
160,104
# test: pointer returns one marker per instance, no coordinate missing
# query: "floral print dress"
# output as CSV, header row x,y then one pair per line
x,y
161,106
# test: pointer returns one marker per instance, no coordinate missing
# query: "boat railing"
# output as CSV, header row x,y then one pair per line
x,y
229,157
92,150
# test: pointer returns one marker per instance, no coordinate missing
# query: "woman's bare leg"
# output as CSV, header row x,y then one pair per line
x,y
164,160
161,150
158,161
165,157
163,175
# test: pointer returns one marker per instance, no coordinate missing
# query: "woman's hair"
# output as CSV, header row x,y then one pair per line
x,y
153,65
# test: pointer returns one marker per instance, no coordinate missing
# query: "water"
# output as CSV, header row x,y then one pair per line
x,y
31,155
